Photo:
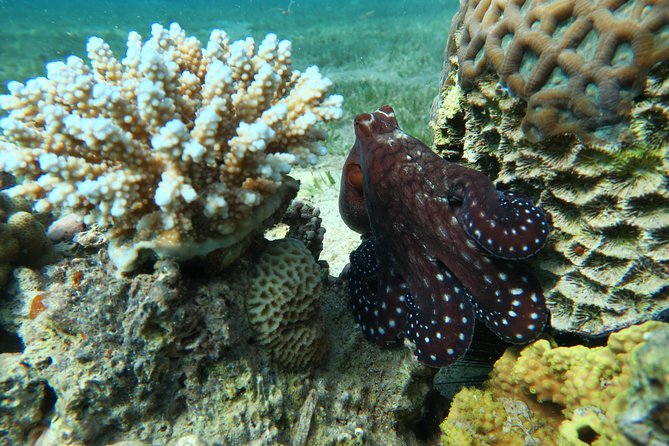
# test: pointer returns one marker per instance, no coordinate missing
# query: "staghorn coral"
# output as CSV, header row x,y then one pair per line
x,y
177,148
606,264
578,64
544,394
283,304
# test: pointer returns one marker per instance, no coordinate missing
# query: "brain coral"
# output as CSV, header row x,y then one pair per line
x,y
178,148
606,265
577,63
283,304
544,394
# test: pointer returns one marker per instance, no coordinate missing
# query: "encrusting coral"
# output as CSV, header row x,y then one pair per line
x,y
606,265
283,304
578,64
544,394
177,148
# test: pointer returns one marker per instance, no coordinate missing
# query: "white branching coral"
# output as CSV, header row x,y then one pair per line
x,y
176,148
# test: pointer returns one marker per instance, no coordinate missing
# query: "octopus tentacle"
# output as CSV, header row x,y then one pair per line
x,y
442,325
377,296
441,319
513,307
505,224
512,228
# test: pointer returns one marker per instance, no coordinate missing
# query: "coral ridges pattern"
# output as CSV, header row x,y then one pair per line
x,y
577,63
283,304
606,264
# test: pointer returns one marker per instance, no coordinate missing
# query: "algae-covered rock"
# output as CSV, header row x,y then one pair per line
x,y
545,394
22,400
606,263
153,358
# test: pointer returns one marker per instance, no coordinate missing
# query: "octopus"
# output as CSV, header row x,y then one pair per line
x,y
438,247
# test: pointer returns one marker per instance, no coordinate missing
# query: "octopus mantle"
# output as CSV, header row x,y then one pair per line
x,y
438,246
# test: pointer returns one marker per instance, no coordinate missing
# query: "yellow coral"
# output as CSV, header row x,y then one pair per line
x,y
570,393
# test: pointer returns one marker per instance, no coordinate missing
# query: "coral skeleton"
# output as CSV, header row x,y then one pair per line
x,y
178,148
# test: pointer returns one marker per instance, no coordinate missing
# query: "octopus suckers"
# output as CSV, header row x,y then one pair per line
x,y
447,297
531,327
505,322
439,335
515,303
447,320
461,336
512,313
464,320
392,323
502,276
382,331
440,277
516,291
450,351
534,316
427,340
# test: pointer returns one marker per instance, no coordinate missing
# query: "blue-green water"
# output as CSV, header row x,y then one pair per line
x,y
376,52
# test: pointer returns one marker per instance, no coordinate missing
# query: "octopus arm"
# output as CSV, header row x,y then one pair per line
x,y
377,296
441,319
505,224
511,305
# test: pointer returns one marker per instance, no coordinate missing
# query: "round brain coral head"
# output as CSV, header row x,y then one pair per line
x,y
432,224
180,148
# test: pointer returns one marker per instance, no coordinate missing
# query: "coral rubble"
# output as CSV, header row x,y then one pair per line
x,y
178,148
544,394
606,265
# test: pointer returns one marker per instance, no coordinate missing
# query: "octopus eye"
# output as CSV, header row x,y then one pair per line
x,y
353,175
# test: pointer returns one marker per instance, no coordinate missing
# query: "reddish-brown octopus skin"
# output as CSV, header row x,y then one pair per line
x,y
440,243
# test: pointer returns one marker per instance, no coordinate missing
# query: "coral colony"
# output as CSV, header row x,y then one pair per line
x,y
577,64
176,148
